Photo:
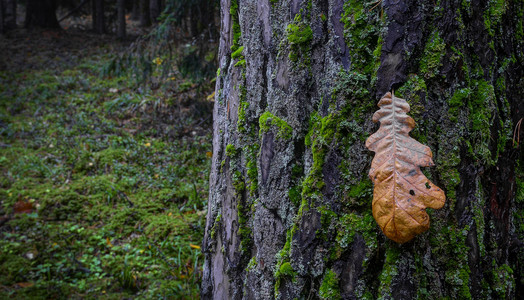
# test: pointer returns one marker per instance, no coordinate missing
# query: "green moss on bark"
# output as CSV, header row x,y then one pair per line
x,y
251,167
283,257
481,106
243,105
449,246
351,224
319,138
244,230
329,289
231,151
362,34
299,37
233,11
433,53
504,282
389,270
267,119
493,15
237,53
238,183
457,102
294,195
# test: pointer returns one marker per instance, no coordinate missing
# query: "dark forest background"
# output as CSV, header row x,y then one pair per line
x,y
105,146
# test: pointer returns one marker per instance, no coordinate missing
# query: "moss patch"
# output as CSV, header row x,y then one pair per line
x,y
433,53
233,11
299,36
329,288
362,35
267,119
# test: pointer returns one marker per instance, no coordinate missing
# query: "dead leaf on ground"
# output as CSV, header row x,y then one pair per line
x,y
21,207
402,192
25,284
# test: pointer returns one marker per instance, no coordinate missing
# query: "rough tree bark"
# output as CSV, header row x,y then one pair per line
x,y
289,213
41,13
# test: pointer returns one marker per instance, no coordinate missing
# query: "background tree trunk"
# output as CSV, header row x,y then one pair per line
x,y
135,12
121,7
155,8
289,213
41,13
145,19
9,14
99,22
2,12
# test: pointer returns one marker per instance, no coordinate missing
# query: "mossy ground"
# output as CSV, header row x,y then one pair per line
x,y
116,192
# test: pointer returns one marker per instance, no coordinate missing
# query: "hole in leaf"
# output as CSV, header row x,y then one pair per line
x,y
428,186
412,192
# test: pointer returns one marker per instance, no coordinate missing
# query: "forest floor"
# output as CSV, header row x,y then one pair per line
x,y
103,182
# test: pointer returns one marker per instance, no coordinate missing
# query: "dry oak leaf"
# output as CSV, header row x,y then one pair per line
x,y
401,192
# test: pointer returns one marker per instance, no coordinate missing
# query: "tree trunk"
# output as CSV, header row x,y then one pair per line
x,y
2,12
9,14
155,8
99,22
41,13
145,20
121,6
289,213
135,12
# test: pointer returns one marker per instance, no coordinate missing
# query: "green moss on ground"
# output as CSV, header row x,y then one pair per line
x,y
117,206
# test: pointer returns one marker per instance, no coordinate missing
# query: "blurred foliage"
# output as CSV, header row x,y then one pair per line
x,y
184,41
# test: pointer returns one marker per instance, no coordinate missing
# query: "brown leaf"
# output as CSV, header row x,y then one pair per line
x,y
25,284
21,207
401,192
